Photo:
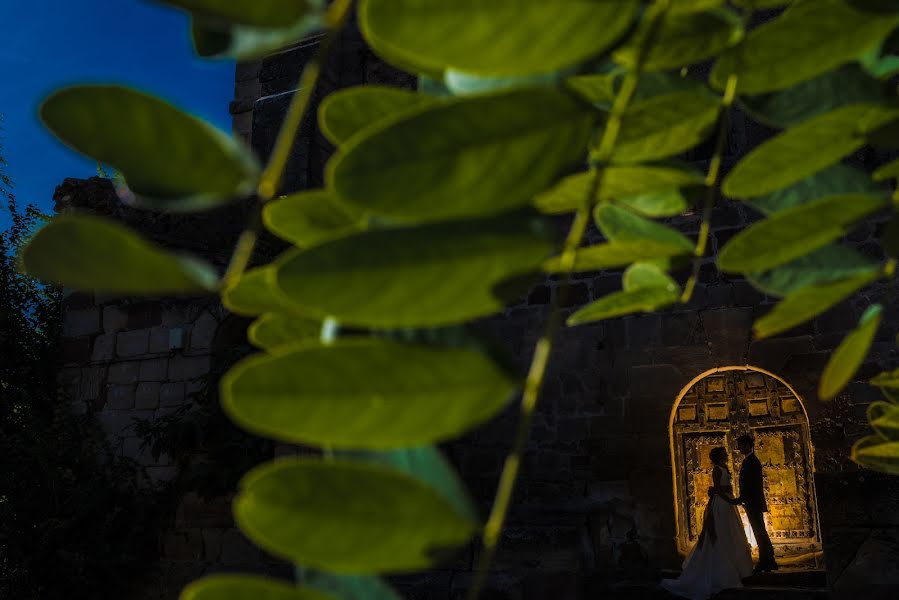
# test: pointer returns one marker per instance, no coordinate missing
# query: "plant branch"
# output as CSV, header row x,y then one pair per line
x,y
543,349
273,174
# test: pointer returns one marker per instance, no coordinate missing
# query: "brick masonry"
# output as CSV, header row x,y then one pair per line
x,y
595,500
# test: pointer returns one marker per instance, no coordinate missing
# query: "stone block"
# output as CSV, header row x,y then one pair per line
x,y
147,395
679,329
144,315
70,380
203,332
81,322
645,331
124,372
135,449
183,367
154,369
655,381
237,550
159,339
171,394
874,570
75,351
120,397
90,383
104,347
117,423
115,318
133,343
772,354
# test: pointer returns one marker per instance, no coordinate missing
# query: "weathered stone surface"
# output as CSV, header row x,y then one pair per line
x,y
772,354
81,322
203,332
159,339
212,544
133,343
115,318
182,545
104,347
154,369
90,383
159,475
183,367
171,394
147,395
237,550
124,372
120,397
194,511
75,351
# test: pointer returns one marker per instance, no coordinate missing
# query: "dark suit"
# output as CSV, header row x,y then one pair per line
x,y
752,497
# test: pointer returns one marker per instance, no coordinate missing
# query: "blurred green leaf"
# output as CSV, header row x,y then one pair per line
x,y
809,302
461,83
684,38
536,36
309,218
475,156
804,150
665,125
347,112
889,239
884,418
424,276
623,303
887,171
95,254
151,142
621,225
850,354
756,4
214,39
255,293
620,254
642,275
873,452
347,587
810,38
658,204
365,393
686,6
794,232
826,264
887,379
625,183
260,13
837,179
845,85
247,587
876,6
273,330
347,517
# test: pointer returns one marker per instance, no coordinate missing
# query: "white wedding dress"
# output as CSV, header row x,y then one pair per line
x,y
722,557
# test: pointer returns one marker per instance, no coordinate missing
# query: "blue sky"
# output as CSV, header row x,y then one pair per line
x,y
46,44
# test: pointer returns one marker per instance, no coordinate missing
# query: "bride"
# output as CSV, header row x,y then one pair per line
x,y
721,557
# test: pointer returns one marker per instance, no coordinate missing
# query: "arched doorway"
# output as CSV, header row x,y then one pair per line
x,y
714,409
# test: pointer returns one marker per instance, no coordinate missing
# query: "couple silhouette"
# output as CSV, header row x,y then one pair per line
x,y
722,558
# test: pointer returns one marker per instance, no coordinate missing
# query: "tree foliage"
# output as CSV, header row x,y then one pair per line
x,y
435,203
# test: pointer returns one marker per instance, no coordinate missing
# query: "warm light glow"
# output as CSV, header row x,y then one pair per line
x,y
747,528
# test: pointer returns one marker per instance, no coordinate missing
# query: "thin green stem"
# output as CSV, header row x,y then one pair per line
x,y
273,174
543,349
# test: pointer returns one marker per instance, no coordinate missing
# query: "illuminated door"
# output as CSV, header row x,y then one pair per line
x,y
717,408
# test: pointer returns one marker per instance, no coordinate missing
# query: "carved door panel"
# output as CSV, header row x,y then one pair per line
x,y
715,411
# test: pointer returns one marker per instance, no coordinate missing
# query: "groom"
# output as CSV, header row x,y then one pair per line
x,y
752,497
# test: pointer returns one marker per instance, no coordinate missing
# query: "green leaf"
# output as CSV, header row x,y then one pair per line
x,y
756,4
684,38
809,302
255,293
621,225
247,587
348,395
273,330
873,452
806,148
810,38
347,587
821,266
887,171
95,254
601,89
845,85
466,157
151,143
500,37
887,379
309,218
428,465
687,6
623,303
349,111
850,354
658,204
347,517
794,232
837,179
425,276
214,39
461,83
620,182
619,254
643,275
666,125
261,13
884,418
